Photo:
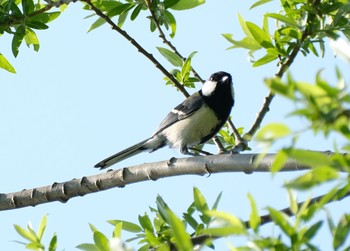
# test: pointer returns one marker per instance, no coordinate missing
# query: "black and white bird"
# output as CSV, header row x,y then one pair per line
x,y
193,122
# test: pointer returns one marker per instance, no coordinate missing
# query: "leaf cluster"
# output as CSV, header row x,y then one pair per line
x,y
299,25
160,10
34,238
323,105
20,19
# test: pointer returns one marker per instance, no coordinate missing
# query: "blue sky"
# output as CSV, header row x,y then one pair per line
x,y
85,96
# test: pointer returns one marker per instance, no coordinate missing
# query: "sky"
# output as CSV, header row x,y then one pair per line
x,y
85,96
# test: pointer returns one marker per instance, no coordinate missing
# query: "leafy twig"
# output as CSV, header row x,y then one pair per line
x,y
138,46
166,41
284,66
201,239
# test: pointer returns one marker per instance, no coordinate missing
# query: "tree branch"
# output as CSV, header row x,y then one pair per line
x,y
198,165
284,66
138,46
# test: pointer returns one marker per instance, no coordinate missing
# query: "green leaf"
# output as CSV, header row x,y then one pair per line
x,y
35,246
281,220
293,204
171,21
225,222
151,238
27,6
136,11
17,40
246,43
244,27
216,203
222,231
28,235
172,57
258,3
310,233
342,231
272,132
162,209
280,159
277,86
182,238
199,200
101,241
4,64
146,223
31,39
53,243
127,226
88,247
187,4
311,158
283,19
45,17
117,232
190,220
265,59
97,23
254,218
42,227
92,227
312,178
170,3
121,19
261,36
120,9
36,25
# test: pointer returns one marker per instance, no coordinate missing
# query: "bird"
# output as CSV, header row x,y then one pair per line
x,y
196,120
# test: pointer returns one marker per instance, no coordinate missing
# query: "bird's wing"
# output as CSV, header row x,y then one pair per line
x,y
182,111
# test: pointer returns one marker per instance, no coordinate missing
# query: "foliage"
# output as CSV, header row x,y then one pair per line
x,y
165,230
20,19
34,239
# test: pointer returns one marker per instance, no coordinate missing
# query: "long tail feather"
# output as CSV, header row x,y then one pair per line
x,y
122,155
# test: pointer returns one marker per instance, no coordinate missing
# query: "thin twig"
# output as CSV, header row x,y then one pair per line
x,y
138,47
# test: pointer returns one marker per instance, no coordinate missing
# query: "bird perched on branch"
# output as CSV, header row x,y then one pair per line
x,y
193,122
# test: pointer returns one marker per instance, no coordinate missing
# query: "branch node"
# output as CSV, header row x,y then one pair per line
x,y
152,175
171,162
207,170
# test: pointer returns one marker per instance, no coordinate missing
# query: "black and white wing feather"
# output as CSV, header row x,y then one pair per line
x,y
182,111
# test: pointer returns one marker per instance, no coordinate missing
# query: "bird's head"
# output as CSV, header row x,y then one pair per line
x,y
219,82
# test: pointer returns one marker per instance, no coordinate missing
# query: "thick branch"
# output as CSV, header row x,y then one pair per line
x,y
199,165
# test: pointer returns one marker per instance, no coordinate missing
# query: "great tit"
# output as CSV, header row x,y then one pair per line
x,y
193,122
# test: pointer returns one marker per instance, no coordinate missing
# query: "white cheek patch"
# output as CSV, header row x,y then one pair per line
x,y
208,88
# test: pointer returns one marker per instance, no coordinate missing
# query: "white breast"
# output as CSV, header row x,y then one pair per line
x,y
189,131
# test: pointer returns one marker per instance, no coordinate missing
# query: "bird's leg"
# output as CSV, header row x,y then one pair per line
x,y
184,150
